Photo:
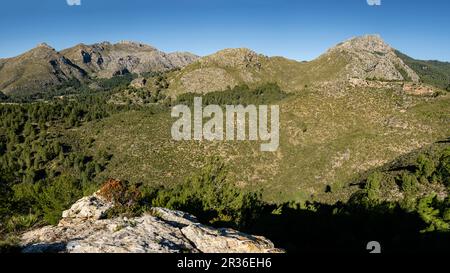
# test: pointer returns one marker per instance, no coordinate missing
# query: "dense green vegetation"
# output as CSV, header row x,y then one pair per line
x,y
52,152
73,88
117,82
41,173
431,72
214,199
240,94
416,223
207,193
326,142
3,97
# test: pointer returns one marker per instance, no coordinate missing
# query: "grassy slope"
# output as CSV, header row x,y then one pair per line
x,y
290,75
28,72
325,140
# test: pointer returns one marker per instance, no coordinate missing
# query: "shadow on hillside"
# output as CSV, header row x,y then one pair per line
x,y
56,247
343,229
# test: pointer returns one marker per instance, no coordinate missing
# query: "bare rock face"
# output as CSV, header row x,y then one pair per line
x,y
371,58
83,230
87,208
210,240
105,60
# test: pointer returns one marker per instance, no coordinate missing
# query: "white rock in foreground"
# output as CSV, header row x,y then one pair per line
x,y
82,230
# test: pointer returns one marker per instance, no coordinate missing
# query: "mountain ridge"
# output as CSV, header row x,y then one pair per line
x,y
366,57
375,59
43,67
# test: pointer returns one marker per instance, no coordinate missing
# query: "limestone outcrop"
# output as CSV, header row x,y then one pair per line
x,y
84,229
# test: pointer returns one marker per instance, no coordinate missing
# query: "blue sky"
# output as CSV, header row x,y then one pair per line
x,y
297,29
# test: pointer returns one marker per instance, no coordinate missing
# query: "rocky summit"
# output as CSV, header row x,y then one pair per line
x,y
105,60
44,68
369,57
84,229
40,67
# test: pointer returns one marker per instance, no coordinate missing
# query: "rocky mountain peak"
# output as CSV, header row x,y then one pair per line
x,y
49,68
37,68
105,60
234,57
44,45
101,44
128,42
370,43
135,44
42,50
370,58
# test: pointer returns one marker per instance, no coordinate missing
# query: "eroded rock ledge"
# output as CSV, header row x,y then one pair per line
x,y
83,229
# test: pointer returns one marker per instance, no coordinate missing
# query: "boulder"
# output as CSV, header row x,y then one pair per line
x,y
138,83
83,229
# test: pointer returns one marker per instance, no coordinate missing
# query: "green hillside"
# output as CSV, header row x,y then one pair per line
x,y
219,71
432,72
326,142
350,148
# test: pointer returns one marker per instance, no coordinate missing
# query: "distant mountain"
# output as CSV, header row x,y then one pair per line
x,y
105,60
232,67
39,68
367,57
43,67
431,72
